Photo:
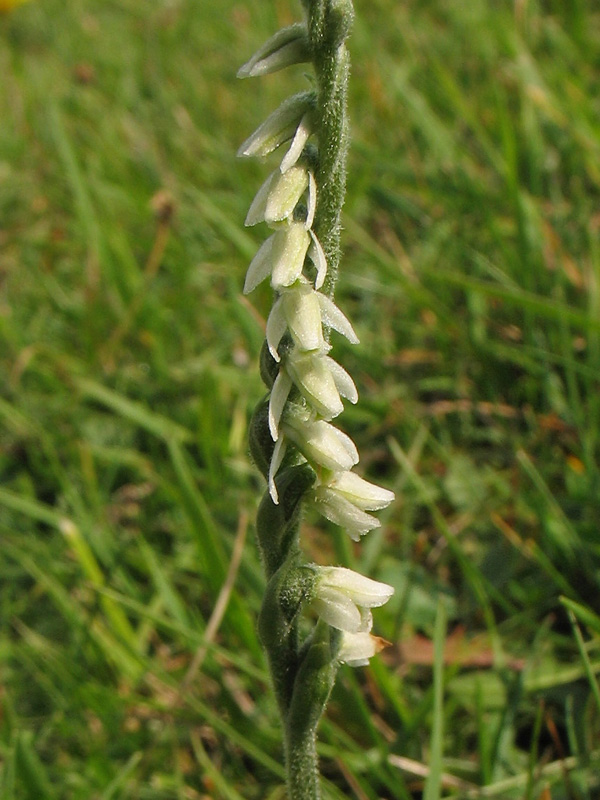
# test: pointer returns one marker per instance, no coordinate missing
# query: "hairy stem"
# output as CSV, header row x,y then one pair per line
x,y
329,23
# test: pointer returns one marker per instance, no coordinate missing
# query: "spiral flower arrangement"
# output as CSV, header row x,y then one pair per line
x,y
303,456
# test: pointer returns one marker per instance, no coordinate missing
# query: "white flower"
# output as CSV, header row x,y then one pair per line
x,y
345,498
357,648
344,598
320,442
360,492
291,120
343,513
281,256
321,381
297,310
286,47
278,196
289,251
302,311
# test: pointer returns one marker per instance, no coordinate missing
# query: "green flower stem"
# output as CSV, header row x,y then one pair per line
x,y
313,686
329,23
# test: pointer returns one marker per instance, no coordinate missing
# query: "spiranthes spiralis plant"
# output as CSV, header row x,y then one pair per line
x,y
303,456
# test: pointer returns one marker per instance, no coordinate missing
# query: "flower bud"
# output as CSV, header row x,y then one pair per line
x,y
278,196
286,47
279,127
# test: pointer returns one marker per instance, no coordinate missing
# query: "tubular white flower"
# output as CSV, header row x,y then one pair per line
x,y
342,512
313,377
366,496
357,648
278,196
344,498
343,598
281,126
320,442
281,256
303,314
288,46
302,310
298,310
290,244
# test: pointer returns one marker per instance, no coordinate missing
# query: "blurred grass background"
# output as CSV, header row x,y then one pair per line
x,y
130,581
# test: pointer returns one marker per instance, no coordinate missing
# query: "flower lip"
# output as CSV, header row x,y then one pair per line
x,y
357,648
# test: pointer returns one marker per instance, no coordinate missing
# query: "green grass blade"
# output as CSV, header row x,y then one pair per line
x,y
433,784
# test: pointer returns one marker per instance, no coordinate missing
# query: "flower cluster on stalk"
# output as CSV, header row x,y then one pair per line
x,y
309,386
